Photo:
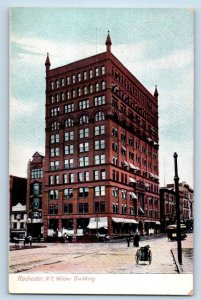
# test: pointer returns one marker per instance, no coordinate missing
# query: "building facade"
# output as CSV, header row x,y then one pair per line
x,y
168,205
101,149
34,195
18,221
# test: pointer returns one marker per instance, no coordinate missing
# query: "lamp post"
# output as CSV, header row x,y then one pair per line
x,y
176,180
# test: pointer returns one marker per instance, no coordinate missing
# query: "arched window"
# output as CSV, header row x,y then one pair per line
x,y
69,122
84,119
91,88
103,85
99,116
55,126
97,87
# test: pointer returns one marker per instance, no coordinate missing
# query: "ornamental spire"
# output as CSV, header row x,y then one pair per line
x,y
47,62
108,42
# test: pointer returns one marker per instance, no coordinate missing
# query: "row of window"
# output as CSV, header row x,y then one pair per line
x,y
36,173
82,208
78,92
82,192
78,77
81,177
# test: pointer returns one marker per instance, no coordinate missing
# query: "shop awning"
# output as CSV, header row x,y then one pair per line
x,y
97,223
133,196
149,221
132,180
123,220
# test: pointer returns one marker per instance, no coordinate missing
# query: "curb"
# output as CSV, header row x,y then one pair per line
x,y
178,267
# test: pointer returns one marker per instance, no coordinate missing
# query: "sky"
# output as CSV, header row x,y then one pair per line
x,y
156,45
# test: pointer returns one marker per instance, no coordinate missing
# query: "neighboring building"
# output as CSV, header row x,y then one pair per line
x,y
101,149
168,204
18,219
34,195
18,188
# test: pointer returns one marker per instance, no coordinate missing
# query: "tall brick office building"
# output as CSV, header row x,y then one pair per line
x,y
101,149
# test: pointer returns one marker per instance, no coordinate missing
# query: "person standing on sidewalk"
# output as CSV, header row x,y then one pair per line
x,y
128,240
136,240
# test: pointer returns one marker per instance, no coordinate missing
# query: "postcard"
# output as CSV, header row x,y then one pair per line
x,y
101,151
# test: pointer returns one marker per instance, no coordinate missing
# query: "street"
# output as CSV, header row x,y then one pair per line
x,y
99,258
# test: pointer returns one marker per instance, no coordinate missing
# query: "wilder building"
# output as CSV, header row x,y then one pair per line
x,y
101,149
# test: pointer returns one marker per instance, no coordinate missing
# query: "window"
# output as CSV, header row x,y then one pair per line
x,y
69,136
103,70
115,208
124,209
85,75
86,176
53,194
84,147
103,174
69,122
83,133
100,100
57,84
99,116
83,104
57,179
71,178
99,206
83,192
57,98
83,207
68,163
97,87
67,80
115,161
99,130
123,137
54,111
62,81
36,173
51,180
69,108
91,88
53,209
54,152
123,194
62,96
123,150
36,188
73,78
54,126
80,177
51,85
51,99
83,161
68,208
114,132
54,165
90,73
68,193
97,71
73,93
99,159
114,146
100,144
85,90
65,178
79,92
68,95
99,190
79,77
84,120
68,149
130,141
115,192
103,85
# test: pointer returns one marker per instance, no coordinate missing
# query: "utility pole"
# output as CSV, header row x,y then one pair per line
x,y
176,180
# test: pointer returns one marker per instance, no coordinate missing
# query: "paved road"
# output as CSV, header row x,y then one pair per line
x,y
97,258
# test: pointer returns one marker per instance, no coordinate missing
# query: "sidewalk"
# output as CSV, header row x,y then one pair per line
x,y
187,260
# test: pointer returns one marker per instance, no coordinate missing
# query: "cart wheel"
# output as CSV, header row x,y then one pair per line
x,y
150,257
137,257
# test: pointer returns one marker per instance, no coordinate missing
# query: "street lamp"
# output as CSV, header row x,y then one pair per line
x,y
176,179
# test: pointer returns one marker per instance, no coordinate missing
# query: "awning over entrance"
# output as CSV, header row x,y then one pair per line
x,y
123,220
133,196
97,223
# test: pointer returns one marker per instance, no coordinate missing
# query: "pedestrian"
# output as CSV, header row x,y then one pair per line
x,y
128,241
30,240
136,240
